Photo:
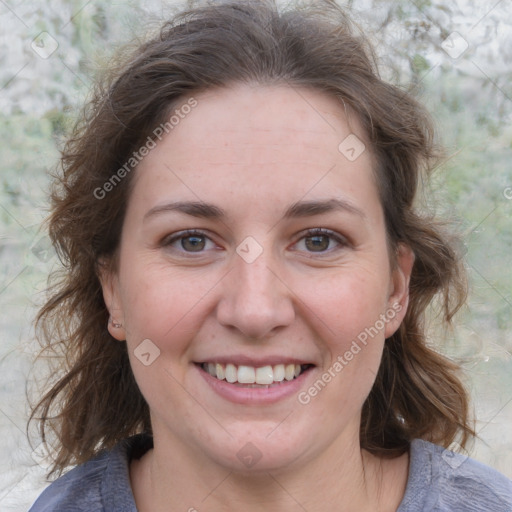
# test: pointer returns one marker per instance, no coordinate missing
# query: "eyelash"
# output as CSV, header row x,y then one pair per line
x,y
342,241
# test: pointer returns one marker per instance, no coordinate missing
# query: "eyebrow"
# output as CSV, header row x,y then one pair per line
x,y
299,209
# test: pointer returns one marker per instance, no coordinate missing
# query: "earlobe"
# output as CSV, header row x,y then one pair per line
x,y
399,294
110,288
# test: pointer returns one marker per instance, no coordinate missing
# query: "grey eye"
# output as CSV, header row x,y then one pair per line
x,y
193,243
317,243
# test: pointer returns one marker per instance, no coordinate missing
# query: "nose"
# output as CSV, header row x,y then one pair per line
x,y
255,298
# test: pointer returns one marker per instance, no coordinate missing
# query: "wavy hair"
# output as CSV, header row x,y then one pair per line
x,y
95,402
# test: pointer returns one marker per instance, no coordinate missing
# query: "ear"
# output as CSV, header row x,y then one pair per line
x,y
398,299
111,295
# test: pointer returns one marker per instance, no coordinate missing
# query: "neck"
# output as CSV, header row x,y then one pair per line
x,y
344,478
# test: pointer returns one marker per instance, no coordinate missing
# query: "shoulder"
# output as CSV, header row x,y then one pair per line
x,y
100,484
443,481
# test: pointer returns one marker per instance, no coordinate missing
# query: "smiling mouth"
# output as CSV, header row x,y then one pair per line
x,y
249,376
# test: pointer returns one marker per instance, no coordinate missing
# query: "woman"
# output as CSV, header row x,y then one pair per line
x,y
246,282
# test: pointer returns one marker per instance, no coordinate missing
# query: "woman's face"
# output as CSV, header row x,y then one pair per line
x,y
284,266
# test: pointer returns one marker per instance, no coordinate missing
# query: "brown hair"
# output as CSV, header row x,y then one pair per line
x,y
96,401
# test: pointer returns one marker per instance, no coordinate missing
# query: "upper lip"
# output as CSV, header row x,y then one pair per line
x,y
256,362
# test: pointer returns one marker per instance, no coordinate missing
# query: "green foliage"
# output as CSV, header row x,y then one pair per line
x,y
419,64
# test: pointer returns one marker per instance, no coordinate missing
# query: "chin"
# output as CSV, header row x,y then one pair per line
x,y
253,449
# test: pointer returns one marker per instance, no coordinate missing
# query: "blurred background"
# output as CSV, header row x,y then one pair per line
x,y
455,56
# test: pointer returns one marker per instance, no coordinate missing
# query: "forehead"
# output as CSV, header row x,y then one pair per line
x,y
259,142
276,117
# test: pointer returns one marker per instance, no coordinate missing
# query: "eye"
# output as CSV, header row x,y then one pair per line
x,y
322,240
188,241
317,240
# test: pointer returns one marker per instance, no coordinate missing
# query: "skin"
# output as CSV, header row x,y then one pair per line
x,y
253,151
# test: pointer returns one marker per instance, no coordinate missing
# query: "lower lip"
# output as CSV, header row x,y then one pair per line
x,y
254,396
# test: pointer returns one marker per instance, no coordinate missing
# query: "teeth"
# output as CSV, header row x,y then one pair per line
x,y
231,373
289,371
219,372
265,375
246,375
279,372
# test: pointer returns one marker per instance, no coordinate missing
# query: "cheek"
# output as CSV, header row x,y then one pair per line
x,y
165,306
346,312
162,303
348,307
352,337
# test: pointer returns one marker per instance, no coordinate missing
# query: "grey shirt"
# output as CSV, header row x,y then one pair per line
x,y
439,481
